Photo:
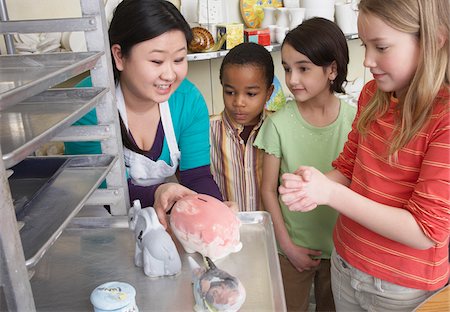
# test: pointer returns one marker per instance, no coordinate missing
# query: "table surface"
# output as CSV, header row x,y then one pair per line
x,y
92,251
439,302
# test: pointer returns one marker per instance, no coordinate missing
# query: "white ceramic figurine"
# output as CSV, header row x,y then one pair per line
x,y
215,289
155,250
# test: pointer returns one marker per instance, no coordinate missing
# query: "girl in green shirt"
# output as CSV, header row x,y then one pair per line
x,y
311,130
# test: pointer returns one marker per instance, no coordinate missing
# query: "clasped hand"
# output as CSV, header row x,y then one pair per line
x,y
305,189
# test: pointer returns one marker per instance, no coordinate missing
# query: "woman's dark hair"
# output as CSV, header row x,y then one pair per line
x,y
250,54
135,21
323,42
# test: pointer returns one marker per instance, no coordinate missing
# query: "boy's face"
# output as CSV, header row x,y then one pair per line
x,y
244,92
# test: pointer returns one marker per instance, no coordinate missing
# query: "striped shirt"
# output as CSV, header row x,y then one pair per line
x,y
418,182
236,165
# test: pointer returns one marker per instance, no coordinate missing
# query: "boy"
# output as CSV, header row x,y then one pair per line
x,y
246,75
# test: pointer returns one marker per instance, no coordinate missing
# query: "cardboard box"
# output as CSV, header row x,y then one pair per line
x,y
260,36
234,32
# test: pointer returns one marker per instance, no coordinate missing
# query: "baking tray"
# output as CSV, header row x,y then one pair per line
x,y
29,179
26,126
93,251
22,76
54,193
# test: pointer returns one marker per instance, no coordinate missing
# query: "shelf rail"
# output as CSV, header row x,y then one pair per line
x,y
16,293
13,272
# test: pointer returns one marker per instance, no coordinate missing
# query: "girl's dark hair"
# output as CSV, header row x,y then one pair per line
x,y
250,54
135,21
323,42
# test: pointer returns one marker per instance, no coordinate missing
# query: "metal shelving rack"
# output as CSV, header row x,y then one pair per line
x,y
32,113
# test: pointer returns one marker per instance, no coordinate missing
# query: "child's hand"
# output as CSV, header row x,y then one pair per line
x,y
301,258
306,188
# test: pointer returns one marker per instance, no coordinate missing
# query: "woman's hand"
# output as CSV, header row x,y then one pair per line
x,y
305,189
232,205
165,197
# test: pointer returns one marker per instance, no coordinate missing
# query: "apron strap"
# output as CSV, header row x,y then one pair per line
x,y
167,123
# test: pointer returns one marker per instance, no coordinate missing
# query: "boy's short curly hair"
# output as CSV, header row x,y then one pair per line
x,y
253,54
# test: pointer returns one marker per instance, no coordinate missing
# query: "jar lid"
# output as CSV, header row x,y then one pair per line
x,y
112,296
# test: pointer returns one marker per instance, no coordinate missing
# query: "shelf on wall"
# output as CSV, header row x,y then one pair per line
x,y
22,76
351,36
26,126
201,56
47,194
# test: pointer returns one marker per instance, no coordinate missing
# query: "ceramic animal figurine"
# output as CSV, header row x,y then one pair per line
x,y
155,250
215,289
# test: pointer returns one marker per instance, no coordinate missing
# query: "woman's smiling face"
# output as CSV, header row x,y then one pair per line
x,y
154,68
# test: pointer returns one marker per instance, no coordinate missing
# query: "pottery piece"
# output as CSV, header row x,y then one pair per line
x,y
202,40
296,16
347,17
269,17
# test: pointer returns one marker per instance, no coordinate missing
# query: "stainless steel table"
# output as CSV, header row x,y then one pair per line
x,y
96,250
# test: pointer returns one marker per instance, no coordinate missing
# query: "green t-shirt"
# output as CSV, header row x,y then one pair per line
x,y
286,135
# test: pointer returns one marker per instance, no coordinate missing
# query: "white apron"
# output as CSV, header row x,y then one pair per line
x,y
142,170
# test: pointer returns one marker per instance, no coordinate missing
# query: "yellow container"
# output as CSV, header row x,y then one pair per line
x,y
234,32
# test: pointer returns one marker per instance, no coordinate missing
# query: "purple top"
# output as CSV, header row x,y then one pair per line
x,y
197,179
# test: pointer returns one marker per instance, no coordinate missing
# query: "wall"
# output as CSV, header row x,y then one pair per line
x,y
205,74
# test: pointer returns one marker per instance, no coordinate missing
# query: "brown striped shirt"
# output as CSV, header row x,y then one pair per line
x,y
236,165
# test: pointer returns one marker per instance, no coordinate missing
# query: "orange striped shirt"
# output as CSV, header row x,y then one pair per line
x,y
419,182
236,166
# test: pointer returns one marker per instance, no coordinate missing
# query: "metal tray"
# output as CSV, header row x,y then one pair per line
x,y
55,198
27,125
22,76
93,251
28,180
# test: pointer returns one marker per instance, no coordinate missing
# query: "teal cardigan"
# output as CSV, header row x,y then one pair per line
x,y
191,125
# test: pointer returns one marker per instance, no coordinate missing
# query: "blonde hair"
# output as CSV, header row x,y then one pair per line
x,y
429,21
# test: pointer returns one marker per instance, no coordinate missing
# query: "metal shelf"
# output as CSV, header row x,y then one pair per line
x,y
49,25
23,76
58,198
201,56
29,124
45,193
221,53
352,36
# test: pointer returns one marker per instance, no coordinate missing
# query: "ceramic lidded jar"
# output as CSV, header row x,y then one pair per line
x,y
283,17
269,17
114,296
296,16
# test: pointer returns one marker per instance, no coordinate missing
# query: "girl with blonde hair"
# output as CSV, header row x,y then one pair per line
x,y
391,183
